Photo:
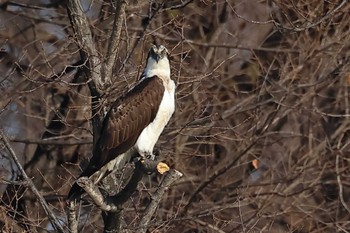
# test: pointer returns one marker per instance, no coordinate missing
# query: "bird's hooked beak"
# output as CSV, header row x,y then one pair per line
x,y
157,57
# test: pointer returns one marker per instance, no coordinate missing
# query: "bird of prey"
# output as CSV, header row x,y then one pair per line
x,y
136,120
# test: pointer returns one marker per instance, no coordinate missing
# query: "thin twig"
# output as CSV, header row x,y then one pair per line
x,y
340,185
49,141
52,217
178,6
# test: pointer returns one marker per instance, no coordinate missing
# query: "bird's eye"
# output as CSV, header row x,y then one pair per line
x,y
154,48
163,50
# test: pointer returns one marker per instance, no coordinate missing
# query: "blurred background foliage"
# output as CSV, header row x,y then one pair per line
x,y
261,129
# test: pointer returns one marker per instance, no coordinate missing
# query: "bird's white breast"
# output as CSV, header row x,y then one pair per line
x,y
149,136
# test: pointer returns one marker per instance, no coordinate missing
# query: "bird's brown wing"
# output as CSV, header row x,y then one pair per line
x,y
125,121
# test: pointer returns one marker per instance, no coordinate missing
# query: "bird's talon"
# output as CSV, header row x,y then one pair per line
x,y
150,156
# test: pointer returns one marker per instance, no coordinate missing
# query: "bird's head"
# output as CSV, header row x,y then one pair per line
x,y
158,53
157,62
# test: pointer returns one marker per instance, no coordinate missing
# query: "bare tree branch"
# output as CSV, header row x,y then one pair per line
x,y
85,41
169,179
52,217
72,217
113,45
92,71
95,194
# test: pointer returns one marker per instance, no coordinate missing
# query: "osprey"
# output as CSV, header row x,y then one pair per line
x,y
135,121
